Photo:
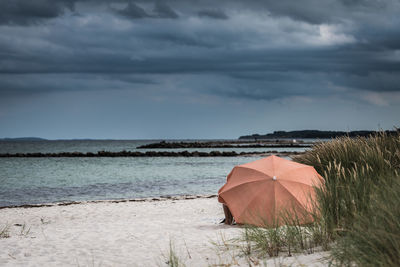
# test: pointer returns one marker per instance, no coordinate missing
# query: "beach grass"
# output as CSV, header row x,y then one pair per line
x,y
172,258
287,240
5,231
265,241
374,239
25,230
351,168
358,204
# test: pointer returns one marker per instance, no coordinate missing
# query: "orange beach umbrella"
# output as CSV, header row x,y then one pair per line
x,y
258,192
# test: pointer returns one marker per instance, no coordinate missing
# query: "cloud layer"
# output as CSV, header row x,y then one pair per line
x,y
241,50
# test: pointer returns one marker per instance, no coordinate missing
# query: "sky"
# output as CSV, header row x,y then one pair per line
x,y
135,69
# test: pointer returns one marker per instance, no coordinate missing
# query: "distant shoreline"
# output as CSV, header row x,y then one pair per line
x,y
23,139
312,134
301,134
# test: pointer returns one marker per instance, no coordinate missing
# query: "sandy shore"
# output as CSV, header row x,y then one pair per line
x,y
123,234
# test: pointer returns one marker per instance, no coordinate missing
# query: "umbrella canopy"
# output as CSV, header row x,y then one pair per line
x,y
260,191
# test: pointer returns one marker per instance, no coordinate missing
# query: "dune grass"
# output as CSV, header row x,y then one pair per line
x,y
374,239
5,231
25,230
292,238
352,168
172,258
359,201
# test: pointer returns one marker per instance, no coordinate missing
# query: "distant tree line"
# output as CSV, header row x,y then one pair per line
x,y
313,134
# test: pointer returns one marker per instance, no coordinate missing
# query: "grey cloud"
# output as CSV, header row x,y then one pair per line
x,y
297,84
373,81
152,48
21,12
133,11
160,10
334,11
215,14
310,11
330,11
365,3
349,65
36,83
299,11
164,11
254,76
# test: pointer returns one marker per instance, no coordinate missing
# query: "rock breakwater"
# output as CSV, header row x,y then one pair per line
x,y
225,144
149,154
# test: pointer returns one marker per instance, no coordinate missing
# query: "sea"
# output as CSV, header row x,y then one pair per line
x,y
48,180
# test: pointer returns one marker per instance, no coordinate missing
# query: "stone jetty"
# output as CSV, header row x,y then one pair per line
x,y
149,154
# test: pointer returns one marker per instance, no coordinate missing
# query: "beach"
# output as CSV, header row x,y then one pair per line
x,y
128,233
123,123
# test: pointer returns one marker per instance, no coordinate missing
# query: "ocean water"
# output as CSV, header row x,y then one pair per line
x,y
46,180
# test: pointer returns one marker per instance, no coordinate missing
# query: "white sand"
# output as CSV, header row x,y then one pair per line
x,y
123,234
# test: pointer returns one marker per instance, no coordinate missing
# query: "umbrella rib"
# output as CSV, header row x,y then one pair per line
x,y
261,179
273,165
263,173
274,199
297,169
298,202
290,181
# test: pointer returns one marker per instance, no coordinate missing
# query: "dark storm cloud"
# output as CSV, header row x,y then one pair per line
x,y
27,12
350,59
160,10
311,11
277,84
164,11
31,84
260,51
133,11
316,12
215,14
